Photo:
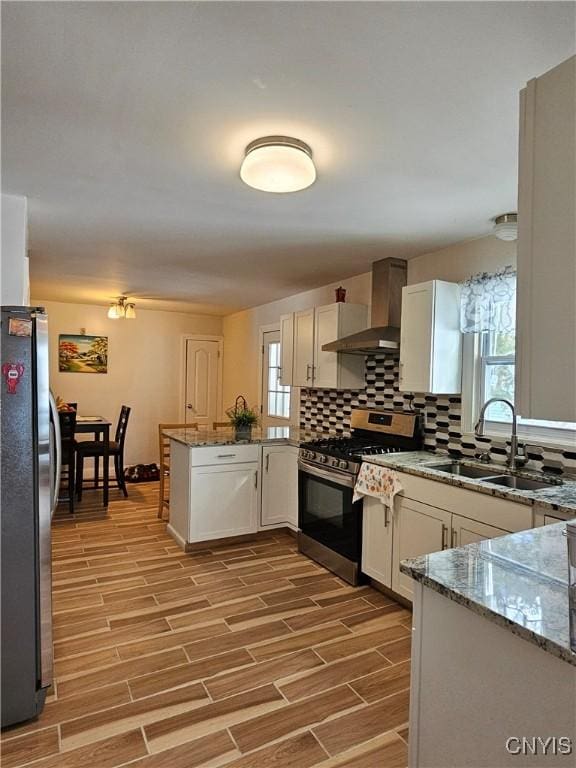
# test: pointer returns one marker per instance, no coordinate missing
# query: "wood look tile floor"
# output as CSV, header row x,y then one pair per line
x,y
242,655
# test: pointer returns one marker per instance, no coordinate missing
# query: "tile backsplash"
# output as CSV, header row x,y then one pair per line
x,y
328,410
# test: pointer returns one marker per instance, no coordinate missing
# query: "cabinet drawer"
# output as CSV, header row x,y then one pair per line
x,y
504,514
216,455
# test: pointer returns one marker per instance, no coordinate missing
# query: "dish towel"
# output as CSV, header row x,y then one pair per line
x,y
377,481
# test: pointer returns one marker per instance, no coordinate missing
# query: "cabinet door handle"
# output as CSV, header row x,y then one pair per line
x,y
225,455
444,536
267,462
256,479
386,518
308,376
453,538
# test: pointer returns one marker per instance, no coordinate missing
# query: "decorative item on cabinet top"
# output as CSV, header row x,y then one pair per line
x,y
340,293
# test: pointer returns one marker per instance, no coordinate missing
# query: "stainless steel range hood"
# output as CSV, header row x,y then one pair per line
x,y
388,279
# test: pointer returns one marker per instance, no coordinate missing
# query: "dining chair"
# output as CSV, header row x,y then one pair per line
x,y
95,449
221,425
164,453
68,451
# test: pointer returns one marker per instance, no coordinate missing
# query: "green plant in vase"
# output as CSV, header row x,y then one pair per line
x,y
242,418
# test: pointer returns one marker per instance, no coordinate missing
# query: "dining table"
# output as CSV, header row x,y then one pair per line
x,y
100,428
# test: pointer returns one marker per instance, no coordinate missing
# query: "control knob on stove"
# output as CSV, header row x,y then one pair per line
x,y
321,459
343,465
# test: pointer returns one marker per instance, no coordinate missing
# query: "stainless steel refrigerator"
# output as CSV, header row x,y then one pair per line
x,y
29,479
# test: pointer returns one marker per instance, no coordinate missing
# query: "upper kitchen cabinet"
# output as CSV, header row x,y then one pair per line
x,y
546,300
315,327
430,339
286,372
331,369
303,348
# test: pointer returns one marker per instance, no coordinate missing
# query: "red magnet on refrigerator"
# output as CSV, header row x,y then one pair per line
x,y
12,373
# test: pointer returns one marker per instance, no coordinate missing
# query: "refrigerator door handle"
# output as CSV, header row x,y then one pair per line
x,y
57,451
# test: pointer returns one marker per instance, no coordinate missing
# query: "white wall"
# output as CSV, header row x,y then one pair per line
x,y
459,261
143,367
14,272
241,353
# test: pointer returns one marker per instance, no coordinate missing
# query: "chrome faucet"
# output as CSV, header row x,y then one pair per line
x,y
515,459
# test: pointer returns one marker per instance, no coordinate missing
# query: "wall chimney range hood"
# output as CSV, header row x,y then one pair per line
x,y
388,279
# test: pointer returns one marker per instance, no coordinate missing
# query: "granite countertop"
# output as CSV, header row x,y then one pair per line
x,y
559,498
203,437
519,581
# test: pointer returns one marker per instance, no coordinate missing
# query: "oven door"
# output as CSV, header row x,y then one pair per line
x,y
326,512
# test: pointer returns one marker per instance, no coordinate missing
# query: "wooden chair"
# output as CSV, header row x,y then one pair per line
x,y
68,444
88,449
221,425
164,463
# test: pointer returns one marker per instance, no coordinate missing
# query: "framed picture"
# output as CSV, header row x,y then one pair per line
x,y
82,354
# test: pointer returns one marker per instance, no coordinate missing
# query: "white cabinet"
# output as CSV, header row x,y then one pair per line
x,y
224,501
377,541
546,300
430,338
279,504
303,347
286,372
214,491
315,327
418,529
466,531
331,369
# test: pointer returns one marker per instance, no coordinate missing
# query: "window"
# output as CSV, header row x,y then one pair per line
x,y
278,396
497,371
493,366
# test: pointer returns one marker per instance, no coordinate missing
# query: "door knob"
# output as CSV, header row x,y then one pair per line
x,y
190,406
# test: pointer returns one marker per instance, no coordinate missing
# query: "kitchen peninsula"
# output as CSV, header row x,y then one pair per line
x,y
222,487
492,663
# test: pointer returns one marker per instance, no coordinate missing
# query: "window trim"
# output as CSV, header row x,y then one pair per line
x,y
472,399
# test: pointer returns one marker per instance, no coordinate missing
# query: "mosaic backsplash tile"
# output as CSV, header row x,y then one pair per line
x,y
328,410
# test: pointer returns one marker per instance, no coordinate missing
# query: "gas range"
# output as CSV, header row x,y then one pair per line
x,y
329,517
343,453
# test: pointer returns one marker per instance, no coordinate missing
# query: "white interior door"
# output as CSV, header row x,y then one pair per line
x,y
275,397
202,388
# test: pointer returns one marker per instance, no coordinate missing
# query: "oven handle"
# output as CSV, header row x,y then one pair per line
x,y
339,478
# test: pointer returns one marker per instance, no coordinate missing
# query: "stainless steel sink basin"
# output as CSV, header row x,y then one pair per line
x,y
465,470
522,483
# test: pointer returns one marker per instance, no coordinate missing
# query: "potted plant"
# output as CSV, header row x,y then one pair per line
x,y
242,418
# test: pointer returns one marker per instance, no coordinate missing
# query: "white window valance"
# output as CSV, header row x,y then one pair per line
x,y
489,302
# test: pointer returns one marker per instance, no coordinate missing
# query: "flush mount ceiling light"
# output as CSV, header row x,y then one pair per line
x,y
278,164
506,226
122,309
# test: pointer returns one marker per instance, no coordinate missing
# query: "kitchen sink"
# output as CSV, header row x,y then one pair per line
x,y
464,470
522,483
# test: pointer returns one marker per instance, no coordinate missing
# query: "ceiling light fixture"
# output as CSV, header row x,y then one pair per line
x,y
506,226
278,164
122,309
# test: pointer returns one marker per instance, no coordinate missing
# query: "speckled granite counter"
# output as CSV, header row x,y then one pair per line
x,y
202,437
519,581
560,498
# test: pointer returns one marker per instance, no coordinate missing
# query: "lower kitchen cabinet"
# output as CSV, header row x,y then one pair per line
x,y
377,541
466,531
418,529
279,486
226,498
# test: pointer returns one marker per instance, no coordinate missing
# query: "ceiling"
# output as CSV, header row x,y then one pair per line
x,y
125,123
